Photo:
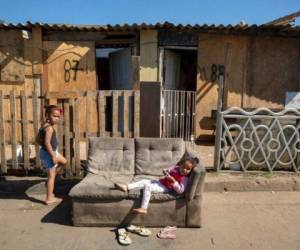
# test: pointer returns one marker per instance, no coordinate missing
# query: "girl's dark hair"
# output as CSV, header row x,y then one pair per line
x,y
50,108
193,160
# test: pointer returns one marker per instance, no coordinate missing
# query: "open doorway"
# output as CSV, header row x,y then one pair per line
x,y
114,68
114,72
180,69
179,82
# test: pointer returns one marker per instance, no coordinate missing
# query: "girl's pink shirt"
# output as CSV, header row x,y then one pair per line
x,y
178,186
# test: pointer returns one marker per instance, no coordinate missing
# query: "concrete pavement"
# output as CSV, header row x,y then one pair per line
x,y
232,220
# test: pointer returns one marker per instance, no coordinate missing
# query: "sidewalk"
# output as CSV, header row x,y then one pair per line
x,y
231,220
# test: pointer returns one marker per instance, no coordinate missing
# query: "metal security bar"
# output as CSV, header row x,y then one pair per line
x,y
259,140
178,114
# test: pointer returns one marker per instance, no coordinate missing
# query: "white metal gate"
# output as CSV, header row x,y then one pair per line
x,y
178,114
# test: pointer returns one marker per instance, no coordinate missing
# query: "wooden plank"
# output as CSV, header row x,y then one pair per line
x,y
18,121
73,35
107,92
102,106
219,125
88,117
71,138
2,137
62,95
115,114
25,131
60,131
77,137
98,113
126,113
148,101
78,58
36,119
135,75
67,137
136,126
13,129
227,80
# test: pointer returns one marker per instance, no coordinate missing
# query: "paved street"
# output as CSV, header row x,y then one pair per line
x,y
249,220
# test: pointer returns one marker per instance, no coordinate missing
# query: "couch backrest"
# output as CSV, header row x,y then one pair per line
x,y
152,155
111,154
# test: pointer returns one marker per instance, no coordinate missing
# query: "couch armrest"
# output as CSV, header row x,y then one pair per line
x,y
196,183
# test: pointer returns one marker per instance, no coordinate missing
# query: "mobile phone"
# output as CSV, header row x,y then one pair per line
x,y
166,173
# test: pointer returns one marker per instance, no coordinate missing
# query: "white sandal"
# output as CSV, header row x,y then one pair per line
x,y
142,231
123,237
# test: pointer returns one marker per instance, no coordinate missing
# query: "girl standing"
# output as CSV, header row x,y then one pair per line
x,y
49,155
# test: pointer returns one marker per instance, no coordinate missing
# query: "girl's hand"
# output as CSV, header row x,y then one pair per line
x,y
54,159
170,178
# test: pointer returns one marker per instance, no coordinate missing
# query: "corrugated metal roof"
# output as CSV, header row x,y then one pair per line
x,y
166,25
285,20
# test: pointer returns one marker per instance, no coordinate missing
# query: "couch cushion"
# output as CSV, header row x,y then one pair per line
x,y
101,186
111,154
137,194
152,155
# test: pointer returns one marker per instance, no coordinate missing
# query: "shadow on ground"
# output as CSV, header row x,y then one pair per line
x,y
60,214
27,189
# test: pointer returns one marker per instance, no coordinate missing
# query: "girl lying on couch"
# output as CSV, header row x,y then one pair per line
x,y
175,178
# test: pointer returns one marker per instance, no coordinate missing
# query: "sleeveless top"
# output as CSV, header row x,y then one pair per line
x,y
42,135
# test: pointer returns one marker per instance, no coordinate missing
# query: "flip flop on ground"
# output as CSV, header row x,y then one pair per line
x,y
167,233
164,235
142,231
123,237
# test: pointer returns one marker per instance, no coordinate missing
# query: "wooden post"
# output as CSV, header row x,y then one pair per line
x,y
227,74
102,103
126,113
88,115
60,130
67,137
136,126
135,63
115,114
72,138
2,137
36,127
98,96
219,125
147,107
13,129
77,137
25,130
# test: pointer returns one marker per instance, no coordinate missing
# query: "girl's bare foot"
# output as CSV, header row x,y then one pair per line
x,y
139,210
53,200
121,187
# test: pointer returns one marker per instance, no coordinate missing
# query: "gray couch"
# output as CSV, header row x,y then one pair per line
x,y
97,203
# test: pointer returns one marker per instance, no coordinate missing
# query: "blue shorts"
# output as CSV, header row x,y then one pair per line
x,y
46,158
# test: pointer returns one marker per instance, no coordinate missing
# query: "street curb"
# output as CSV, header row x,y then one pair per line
x,y
214,182
251,182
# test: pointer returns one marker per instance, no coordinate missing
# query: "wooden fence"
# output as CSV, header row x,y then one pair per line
x,y
112,113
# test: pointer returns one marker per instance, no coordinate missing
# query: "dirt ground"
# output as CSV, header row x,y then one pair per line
x,y
248,220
